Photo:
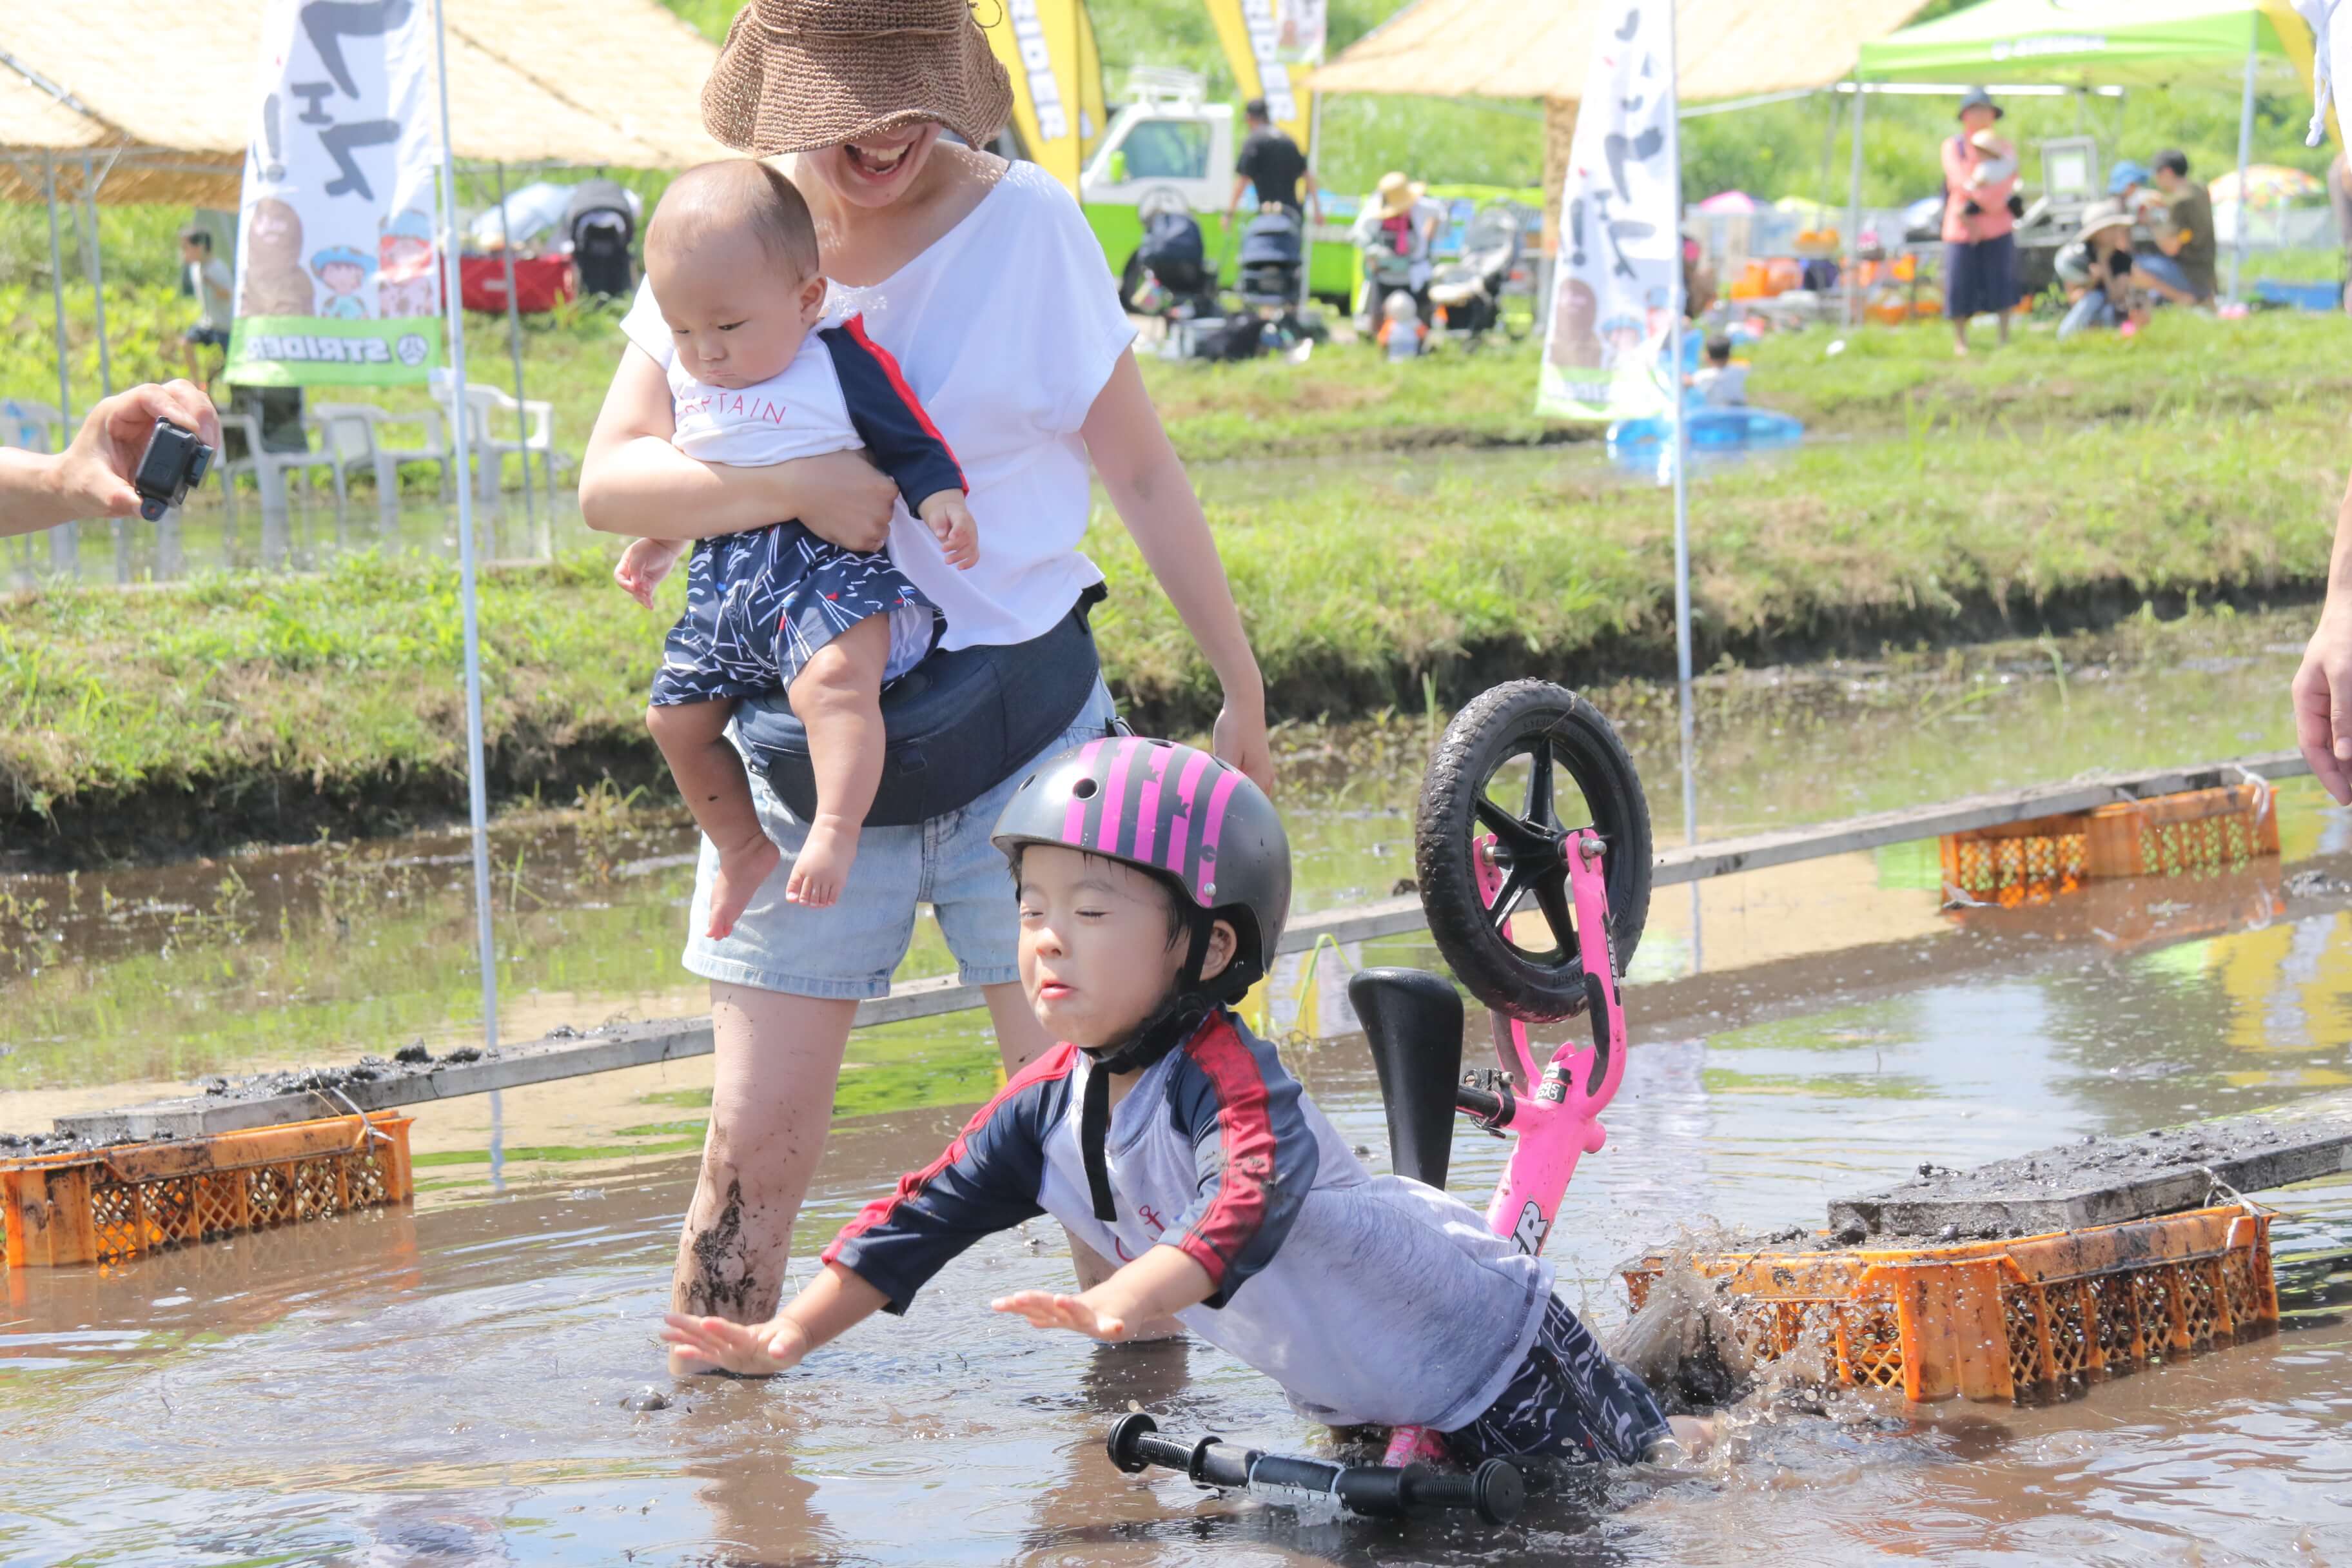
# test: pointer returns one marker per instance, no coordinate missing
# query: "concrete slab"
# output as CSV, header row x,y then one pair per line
x,y
2102,1180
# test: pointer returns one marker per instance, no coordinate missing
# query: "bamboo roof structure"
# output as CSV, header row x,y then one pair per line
x,y
1542,49
168,91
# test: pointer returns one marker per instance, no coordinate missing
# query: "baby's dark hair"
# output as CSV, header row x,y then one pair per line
x,y
743,191
1718,349
1180,907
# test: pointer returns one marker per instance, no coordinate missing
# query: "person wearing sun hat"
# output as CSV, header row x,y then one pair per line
x,y
982,281
2095,270
1980,238
1399,217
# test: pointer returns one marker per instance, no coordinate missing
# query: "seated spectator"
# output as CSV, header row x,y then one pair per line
x,y
2095,270
2183,273
1719,382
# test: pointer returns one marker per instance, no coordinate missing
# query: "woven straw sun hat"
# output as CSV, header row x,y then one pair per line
x,y
1397,192
799,74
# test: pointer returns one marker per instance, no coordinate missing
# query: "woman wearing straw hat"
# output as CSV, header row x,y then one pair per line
x,y
2096,270
1980,238
983,280
1399,221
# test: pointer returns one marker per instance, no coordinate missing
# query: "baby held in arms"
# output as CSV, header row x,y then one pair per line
x,y
732,259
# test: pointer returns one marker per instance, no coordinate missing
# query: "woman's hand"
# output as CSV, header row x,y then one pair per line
x,y
2323,701
1240,739
843,498
748,1350
91,477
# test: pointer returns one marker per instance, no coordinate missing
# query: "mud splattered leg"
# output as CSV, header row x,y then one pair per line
x,y
771,1100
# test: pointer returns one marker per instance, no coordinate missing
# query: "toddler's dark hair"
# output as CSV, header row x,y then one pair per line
x,y
1718,349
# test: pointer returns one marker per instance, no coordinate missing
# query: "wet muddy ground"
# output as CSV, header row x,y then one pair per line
x,y
464,1382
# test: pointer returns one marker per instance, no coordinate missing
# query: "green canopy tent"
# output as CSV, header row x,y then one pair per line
x,y
2108,43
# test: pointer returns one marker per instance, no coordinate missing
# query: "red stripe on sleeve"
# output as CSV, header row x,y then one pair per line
x,y
882,356
1246,1132
1056,1063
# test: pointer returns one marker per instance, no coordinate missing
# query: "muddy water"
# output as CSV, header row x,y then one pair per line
x,y
447,1384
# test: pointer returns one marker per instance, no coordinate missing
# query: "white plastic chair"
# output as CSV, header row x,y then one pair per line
x,y
269,470
493,419
365,438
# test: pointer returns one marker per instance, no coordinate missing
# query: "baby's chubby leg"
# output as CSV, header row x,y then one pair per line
x,y
710,773
837,696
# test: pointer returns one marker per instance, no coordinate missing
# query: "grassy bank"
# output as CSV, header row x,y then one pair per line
x,y
262,707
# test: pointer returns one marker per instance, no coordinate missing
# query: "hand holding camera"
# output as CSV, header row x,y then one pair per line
x,y
121,461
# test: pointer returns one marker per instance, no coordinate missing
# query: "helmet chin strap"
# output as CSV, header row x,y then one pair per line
x,y
1169,1026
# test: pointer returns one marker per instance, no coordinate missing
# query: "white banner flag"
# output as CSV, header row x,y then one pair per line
x,y
338,276
1618,281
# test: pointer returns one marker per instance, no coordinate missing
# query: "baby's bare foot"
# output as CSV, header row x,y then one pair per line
x,y
821,867
742,870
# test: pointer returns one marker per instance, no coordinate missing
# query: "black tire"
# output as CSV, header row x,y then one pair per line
x,y
1553,729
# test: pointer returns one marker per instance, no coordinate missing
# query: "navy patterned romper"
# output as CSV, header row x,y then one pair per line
x,y
759,605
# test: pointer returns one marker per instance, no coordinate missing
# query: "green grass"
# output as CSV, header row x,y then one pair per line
x,y
2110,471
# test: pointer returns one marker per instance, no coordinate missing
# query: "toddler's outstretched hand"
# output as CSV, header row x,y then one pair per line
x,y
644,564
751,1350
947,518
1047,1311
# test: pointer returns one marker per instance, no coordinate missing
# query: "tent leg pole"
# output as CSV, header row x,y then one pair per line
x,y
544,538
87,229
2245,157
63,538
1853,211
1829,152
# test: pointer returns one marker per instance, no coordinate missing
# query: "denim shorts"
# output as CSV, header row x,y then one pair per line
x,y
850,950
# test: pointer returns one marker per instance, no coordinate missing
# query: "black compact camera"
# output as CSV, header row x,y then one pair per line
x,y
173,465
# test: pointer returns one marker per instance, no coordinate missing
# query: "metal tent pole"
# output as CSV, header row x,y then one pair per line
x,y
1853,211
88,230
1682,472
63,538
2246,150
477,795
543,540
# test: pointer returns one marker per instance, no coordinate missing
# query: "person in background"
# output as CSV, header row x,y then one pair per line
x,y
1400,220
1979,234
2127,185
210,280
2183,273
91,477
2096,270
2322,689
2339,200
1272,165
1719,382
1401,332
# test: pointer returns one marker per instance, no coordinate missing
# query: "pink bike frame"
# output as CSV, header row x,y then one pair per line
x,y
1555,1113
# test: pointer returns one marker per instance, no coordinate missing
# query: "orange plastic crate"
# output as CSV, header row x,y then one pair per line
x,y
2027,862
1999,1320
106,1205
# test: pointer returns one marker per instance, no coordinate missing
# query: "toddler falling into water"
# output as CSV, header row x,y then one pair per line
x,y
732,259
1153,884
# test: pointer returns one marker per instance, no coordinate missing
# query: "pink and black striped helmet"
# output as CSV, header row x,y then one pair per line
x,y
1177,813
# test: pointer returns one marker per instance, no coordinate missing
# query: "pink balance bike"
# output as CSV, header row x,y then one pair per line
x,y
1537,918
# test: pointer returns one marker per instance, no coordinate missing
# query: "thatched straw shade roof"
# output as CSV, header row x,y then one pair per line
x,y
1540,49
611,83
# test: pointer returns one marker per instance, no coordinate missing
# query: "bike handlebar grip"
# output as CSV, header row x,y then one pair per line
x,y
1495,1492
1488,1108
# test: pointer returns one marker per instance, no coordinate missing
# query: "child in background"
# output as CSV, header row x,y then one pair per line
x,y
210,280
1997,162
732,259
1719,382
1154,882
1402,332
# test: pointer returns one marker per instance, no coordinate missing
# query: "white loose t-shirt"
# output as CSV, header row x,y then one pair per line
x,y
1006,328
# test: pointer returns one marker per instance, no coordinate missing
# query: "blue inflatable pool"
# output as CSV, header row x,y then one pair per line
x,y
1711,430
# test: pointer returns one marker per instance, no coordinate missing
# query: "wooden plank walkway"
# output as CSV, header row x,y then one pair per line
x,y
2105,1181
639,1045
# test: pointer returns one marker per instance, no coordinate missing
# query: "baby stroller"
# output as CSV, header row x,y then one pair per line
x,y
1274,250
1169,274
601,221
1469,290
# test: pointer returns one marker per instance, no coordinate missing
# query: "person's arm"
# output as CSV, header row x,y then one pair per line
x,y
831,1304
1162,1282
1255,1158
1314,197
632,480
1955,175
1146,481
1241,183
2322,689
91,477
899,437
2176,236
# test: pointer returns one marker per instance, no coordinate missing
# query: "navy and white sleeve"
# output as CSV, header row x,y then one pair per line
x,y
897,432
988,1180
1252,1151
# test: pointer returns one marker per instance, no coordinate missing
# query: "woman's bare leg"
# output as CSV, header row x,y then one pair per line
x,y
771,1103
